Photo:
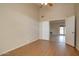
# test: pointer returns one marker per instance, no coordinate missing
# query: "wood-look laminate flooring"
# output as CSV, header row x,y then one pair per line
x,y
44,48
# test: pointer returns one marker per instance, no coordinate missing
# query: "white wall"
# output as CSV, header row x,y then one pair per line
x,y
18,25
44,30
77,25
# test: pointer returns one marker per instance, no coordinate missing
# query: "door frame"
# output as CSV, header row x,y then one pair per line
x,y
75,33
49,25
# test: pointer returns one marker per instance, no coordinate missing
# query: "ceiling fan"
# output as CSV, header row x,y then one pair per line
x,y
46,4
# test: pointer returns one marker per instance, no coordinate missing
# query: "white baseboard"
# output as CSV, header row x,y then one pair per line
x,y
43,39
18,47
77,48
69,44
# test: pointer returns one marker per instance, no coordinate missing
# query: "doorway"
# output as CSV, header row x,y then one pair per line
x,y
57,31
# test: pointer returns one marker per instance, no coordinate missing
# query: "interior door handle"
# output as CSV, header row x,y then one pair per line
x,y
73,32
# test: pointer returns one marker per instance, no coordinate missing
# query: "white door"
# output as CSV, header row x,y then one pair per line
x,y
70,30
44,30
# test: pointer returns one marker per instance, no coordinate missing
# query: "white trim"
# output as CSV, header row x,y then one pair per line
x,y
44,39
77,48
18,46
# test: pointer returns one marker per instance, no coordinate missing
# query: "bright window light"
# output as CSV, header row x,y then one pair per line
x,y
61,30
